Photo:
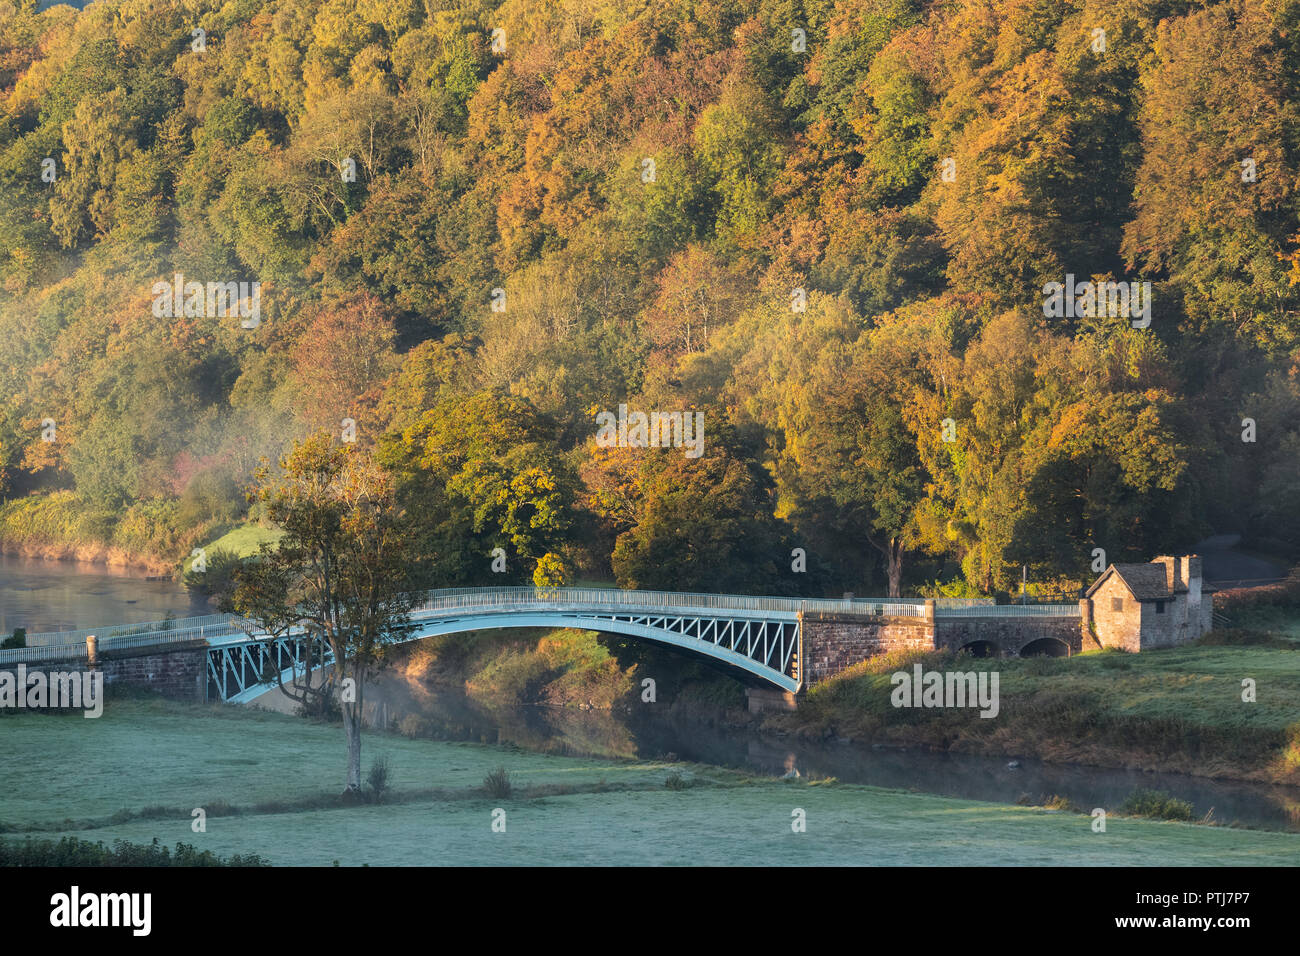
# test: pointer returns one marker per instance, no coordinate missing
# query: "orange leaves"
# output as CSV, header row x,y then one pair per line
x,y
698,292
342,361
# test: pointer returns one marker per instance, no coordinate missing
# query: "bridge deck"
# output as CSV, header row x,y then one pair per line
x,y
224,630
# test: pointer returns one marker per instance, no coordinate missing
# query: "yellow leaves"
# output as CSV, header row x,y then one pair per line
x,y
272,76
395,16
1293,260
1073,422
56,48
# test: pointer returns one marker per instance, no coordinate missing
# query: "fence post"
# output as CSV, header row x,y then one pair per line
x,y
91,647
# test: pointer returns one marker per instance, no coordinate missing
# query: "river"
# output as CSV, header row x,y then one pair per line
x,y
64,595
45,596
644,733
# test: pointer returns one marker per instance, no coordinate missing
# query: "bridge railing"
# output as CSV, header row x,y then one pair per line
x,y
104,633
456,598
43,652
67,644
881,607
215,625
1011,610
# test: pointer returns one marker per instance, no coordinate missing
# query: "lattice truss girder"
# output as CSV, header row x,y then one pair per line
x,y
770,643
233,668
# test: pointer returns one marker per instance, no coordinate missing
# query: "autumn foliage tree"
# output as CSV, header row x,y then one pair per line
x,y
340,576
829,223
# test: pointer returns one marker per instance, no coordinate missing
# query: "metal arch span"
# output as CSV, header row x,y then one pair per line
x,y
765,649
768,650
758,635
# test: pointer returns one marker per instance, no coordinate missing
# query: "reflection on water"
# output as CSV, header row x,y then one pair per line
x,y
416,709
1032,781
65,595
444,714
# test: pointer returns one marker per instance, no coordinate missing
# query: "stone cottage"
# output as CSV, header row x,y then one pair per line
x,y
1140,606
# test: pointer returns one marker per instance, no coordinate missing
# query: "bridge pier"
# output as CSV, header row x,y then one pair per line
x,y
762,700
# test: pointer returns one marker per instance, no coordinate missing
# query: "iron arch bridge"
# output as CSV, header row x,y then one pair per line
x,y
761,636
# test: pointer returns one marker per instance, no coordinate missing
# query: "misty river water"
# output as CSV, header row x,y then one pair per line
x,y
65,595
46,596
445,714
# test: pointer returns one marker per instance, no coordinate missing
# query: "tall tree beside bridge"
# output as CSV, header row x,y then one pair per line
x,y
837,400
340,571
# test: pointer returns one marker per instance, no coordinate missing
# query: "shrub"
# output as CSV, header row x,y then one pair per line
x,y
379,775
676,781
57,517
149,527
1284,594
1158,805
957,588
514,675
219,578
1242,637
414,725
497,783
1291,755
19,639
552,571
211,495
69,851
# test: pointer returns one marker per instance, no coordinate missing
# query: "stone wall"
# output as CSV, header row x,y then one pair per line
x,y
762,700
179,673
1117,628
832,642
1181,621
1009,634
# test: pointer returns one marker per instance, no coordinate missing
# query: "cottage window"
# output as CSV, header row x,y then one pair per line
x,y
1117,604
1160,607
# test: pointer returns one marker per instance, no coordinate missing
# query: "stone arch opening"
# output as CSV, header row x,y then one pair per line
x,y
980,649
1046,647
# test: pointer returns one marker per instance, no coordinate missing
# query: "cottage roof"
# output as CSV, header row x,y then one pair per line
x,y
1146,582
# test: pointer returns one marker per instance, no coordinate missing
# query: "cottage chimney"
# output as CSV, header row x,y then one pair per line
x,y
1194,572
1171,570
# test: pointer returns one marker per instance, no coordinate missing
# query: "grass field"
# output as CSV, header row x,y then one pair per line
x,y
241,541
269,784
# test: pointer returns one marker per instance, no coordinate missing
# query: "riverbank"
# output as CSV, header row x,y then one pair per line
x,y
269,784
57,527
516,667
90,553
148,536
1179,710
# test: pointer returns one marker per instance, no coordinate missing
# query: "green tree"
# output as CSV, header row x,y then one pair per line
x,y
477,473
845,452
701,525
341,572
